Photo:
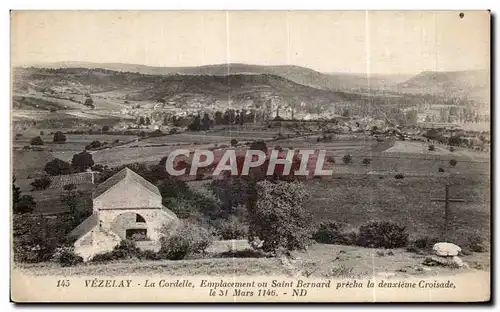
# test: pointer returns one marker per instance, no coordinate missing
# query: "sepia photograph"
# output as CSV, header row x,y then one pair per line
x,y
250,156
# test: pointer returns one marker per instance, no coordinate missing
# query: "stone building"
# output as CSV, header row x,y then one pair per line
x,y
125,206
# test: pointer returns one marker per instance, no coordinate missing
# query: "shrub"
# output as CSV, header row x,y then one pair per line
x,y
35,237
422,244
230,229
432,148
452,149
93,145
399,176
125,250
330,159
453,162
25,204
105,128
188,239
476,243
367,161
330,232
66,256
59,137
386,234
246,253
440,169
234,142
36,141
41,183
58,167
347,159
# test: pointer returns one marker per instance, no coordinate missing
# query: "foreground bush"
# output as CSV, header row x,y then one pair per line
x,y
35,237
188,239
422,244
278,217
231,228
382,234
127,249
246,253
476,243
331,232
66,256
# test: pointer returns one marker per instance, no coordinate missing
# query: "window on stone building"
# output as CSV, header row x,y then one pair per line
x,y
139,219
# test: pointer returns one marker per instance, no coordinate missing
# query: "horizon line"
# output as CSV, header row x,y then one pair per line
x,y
41,64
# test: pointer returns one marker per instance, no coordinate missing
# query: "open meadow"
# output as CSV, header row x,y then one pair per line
x,y
320,261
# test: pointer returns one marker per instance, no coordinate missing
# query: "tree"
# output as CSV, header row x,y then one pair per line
x,y
259,146
347,159
148,121
57,167
205,122
59,137
367,161
219,120
89,102
26,204
71,197
453,162
82,161
195,125
278,217
94,144
41,183
432,148
16,192
36,141
105,128
234,142
141,121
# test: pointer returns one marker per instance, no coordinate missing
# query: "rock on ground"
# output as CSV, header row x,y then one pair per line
x,y
446,249
452,262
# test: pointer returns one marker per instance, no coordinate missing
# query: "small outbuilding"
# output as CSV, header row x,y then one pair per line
x,y
125,206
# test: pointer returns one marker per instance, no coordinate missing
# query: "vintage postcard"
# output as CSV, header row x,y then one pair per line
x,y
250,156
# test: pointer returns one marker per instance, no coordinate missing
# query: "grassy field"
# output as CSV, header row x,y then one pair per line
x,y
327,261
75,143
422,148
356,200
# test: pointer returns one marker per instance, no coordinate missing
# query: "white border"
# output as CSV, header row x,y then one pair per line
x,y
493,5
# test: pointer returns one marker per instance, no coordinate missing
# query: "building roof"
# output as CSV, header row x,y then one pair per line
x,y
75,178
86,226
124,174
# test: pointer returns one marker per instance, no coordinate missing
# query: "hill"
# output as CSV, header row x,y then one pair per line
x,y
183,90
297,74
472,84
364,81
113,90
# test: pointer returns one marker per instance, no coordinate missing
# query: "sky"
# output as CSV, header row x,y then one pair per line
x,y
383,42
